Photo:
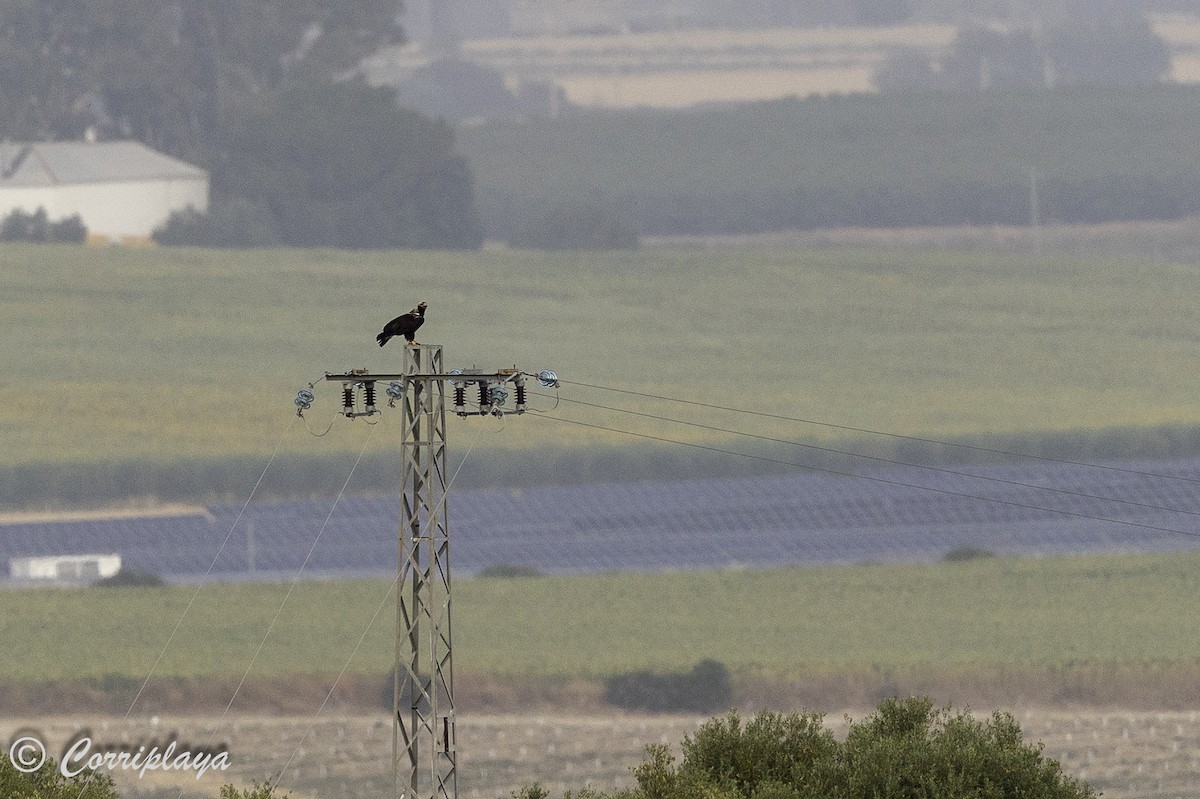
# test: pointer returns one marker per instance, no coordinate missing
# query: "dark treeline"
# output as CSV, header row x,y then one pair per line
x,y
1096,49
652,15
914,158
254,92
170,74
335,165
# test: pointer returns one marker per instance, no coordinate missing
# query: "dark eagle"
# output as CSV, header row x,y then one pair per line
x,y
403,325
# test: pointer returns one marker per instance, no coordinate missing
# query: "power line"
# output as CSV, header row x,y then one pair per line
x,y
291,587
199,586
880,459
888,481
902,436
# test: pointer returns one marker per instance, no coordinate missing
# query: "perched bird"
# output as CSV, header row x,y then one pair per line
x,y
404,325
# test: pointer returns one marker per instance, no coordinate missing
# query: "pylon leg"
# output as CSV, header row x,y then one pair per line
x,y
424,747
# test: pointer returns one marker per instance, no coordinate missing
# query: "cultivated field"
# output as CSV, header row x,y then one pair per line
x,y
1097,629
1092,655
1124,754
188,360
679,69
674,69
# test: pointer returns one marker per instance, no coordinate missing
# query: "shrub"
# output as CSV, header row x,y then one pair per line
x,y
186,228
259,791
907,749
535,791
771,750
967,553
22,226
705,688
508,571
36,227
70,230
234,223
48,783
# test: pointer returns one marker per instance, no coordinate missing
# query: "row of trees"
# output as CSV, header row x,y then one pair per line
x,y
254,91
1098,154
1002,200
336,165
170,73
809,13
1091,50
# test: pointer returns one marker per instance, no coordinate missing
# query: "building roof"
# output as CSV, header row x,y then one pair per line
x,y
64,163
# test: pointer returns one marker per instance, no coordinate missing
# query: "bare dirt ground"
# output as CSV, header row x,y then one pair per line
x,y
1130,754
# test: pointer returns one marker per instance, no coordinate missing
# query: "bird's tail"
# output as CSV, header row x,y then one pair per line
x,y
382,338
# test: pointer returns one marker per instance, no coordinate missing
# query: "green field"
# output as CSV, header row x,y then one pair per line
x,y
1093,655
182,364
979,616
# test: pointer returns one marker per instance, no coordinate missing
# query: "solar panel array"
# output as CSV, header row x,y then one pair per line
x,y
886,514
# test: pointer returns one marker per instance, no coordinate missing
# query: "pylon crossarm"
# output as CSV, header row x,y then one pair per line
x,y
362,376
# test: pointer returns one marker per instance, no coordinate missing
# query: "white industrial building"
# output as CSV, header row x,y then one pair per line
x,y
64,568
122,190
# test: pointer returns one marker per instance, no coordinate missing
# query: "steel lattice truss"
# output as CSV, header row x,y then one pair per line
x,y
424,747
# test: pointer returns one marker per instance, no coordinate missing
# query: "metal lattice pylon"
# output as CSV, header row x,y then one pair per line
x,y
423,745
424,748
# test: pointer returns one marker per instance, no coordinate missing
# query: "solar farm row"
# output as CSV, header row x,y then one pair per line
x,y
886,514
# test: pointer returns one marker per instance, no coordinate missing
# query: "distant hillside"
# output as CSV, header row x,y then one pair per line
x,y
862,160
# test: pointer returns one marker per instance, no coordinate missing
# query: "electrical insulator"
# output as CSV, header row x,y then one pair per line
x,y
497,395
304,401
483,398
369,391
520,384
460,399
454,372
547,379
395,391
347,399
